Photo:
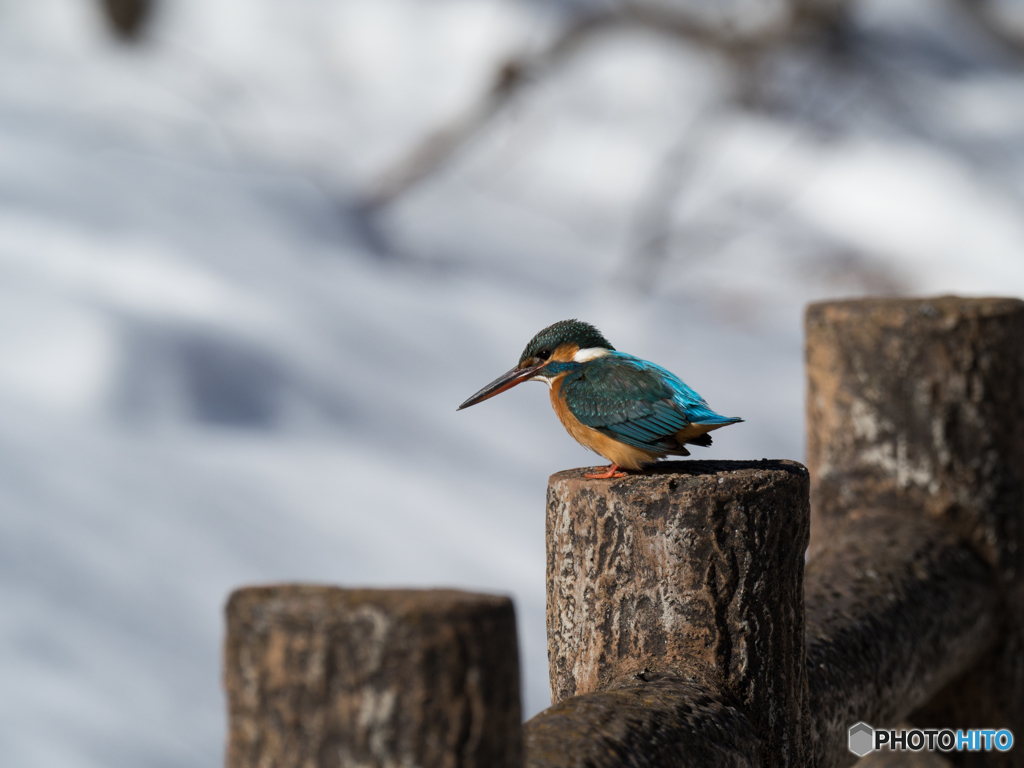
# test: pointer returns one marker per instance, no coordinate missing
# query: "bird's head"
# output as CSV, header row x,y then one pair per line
x,y
556,349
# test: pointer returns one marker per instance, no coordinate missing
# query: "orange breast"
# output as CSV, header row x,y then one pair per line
x,y
626,456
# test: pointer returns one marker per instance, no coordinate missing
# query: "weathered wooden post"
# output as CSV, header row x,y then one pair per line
x,y
681,630
897,607
321,677
683,585
916,413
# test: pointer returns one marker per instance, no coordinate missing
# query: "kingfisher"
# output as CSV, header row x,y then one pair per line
x,y
626,409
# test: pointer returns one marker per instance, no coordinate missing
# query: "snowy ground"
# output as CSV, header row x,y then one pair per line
x,y
214,371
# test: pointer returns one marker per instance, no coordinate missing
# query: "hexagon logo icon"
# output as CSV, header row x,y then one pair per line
x,y
862,737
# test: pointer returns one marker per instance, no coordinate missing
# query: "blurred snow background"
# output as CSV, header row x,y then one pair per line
x,y
218,366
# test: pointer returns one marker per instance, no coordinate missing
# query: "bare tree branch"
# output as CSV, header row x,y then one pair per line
x,y
438,147
986,18
127,17
653,221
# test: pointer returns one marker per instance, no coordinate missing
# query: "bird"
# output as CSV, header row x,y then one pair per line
x,y
630,411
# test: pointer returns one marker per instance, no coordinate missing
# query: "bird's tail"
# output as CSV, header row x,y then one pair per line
x,y
708,422
712,419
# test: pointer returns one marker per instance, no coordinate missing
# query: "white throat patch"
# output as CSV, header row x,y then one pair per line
x,y
591,353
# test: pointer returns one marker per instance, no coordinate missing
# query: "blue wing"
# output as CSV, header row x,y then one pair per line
x,y
638,403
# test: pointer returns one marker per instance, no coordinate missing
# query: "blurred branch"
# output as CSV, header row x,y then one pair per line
x,y
126,17
986,18
653,221
805,16
438,147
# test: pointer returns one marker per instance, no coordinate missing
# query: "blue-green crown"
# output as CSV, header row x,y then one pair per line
x,y
583,335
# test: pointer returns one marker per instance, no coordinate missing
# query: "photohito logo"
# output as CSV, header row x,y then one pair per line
x,y
864,739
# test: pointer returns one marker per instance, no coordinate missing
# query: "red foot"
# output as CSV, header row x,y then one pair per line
x,y
612,471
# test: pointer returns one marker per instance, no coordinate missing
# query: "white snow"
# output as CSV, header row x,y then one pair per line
x,y
213,374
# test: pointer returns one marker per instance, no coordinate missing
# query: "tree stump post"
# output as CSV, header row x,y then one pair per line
x,y
695,570
322,677
916,408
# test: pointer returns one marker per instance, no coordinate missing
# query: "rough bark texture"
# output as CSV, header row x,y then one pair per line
x,y
917,406
695,569
900,759
897,758
660,721
321,677
986,696
896,608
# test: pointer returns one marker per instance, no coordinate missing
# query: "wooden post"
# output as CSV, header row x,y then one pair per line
x,y
897,607
321,677
916,407
695,570
647,720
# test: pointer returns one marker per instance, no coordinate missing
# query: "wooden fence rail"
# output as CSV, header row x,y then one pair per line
x,y
682,627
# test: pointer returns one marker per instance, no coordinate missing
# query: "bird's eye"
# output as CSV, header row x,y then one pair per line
x,y
544,354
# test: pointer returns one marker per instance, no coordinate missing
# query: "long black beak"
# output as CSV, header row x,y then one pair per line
x,y
500,384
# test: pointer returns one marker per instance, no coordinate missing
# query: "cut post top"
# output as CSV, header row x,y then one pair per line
x,y
298,601
897,312
682,474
